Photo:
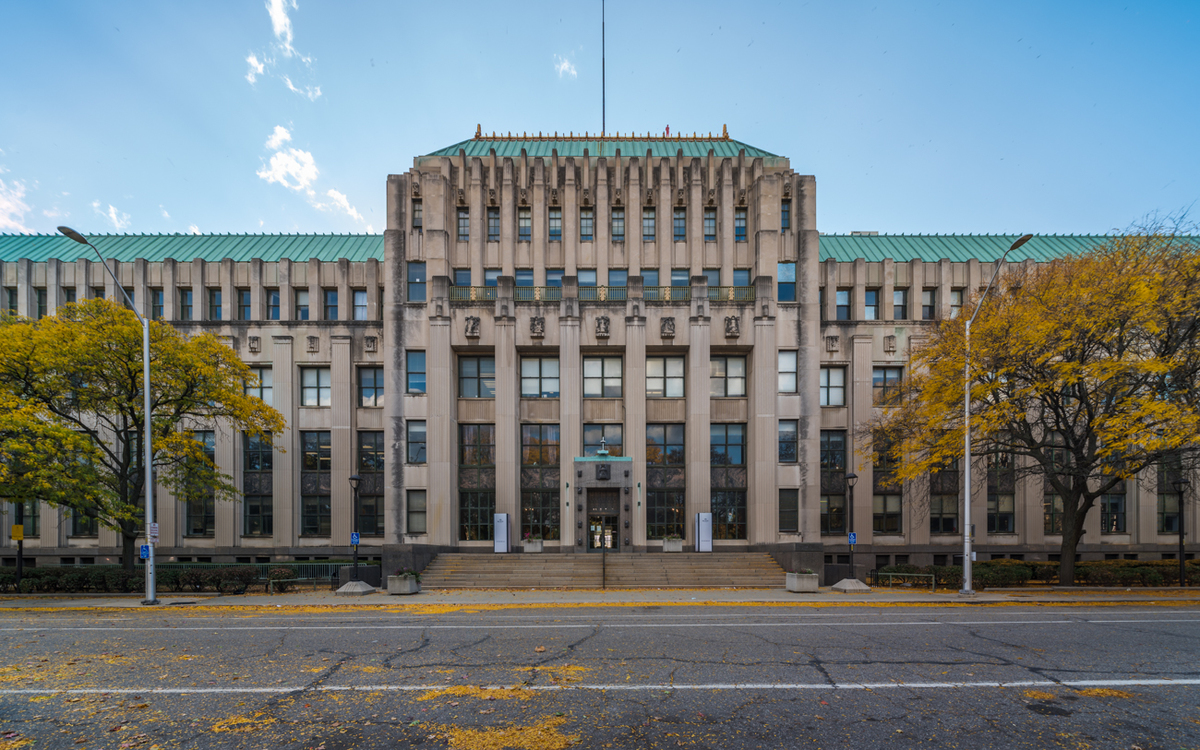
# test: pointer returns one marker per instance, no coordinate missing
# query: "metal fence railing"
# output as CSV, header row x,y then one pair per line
x,y
304,570
909,578
538,293
731,294
602,293
473,293
667,293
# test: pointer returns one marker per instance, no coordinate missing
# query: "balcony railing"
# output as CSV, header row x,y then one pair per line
x,y
667,293
603,293
473,293
538,293
731,294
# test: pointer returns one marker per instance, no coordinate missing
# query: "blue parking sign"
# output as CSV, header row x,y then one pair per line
x,y
853,538
354,538
145,551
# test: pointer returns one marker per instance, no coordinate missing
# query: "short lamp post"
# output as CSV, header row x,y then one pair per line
x,y
851,480
968,588
354,488
151,594
1181,487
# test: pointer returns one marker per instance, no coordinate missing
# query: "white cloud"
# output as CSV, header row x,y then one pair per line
x,y
286,166
256,68
313,93
370,229
119,219
281,24
564,67
164,212
193,229
339,203
51,213
278,138
13,207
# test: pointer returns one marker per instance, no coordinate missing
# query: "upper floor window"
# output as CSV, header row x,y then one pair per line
x,y
416,282
524,224
301,304
156,303
330,299
214,304
491,277
928,304
618,277
885,384
370,386
618,225
956,302
785,215
185,304
360,304
741,277
476,377
899,304
650,277
315,386
272,304
679,224
587,224
786,272
416,441
871,305
40,303
680,277
415,366
416,215
554,277
493,223
244,308
833,386
664,377
524,277
10,301
464,223
739,224
843,304
712,276
602,377
787,371
69,292
727,444
555,224
789,441
727,376
462,277
587,277
263,387
608,435
539,377
647,224
710,225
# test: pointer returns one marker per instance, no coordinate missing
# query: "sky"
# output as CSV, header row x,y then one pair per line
x,y
288,115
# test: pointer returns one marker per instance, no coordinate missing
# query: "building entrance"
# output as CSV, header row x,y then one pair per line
x,y
603,517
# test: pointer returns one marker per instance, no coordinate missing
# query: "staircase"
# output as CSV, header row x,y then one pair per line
x,y
593,571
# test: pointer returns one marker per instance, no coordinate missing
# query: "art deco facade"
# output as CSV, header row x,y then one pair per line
x,y
599,338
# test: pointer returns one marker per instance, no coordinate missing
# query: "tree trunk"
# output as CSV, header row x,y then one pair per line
x,y
1066,564
128,546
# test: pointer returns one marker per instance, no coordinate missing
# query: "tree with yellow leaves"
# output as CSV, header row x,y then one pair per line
x,y
1084,371
76,377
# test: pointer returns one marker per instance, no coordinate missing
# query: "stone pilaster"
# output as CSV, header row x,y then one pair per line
x,y
699,480
286,502
508,390
341,429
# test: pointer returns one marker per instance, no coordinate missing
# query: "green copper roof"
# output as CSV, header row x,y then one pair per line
x,y
954,247
632,146
186,247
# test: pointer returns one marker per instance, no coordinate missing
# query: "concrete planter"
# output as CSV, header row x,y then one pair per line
x,y
533,545
672,545
802,583
403,585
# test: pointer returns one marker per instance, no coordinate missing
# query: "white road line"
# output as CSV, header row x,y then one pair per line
x,y
665,687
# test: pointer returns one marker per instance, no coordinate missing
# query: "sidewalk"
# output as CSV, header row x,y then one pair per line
x,y
506,598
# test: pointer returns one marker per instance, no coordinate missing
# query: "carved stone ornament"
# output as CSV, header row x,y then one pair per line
x,y
537,327
462,197
602,327
712,197
733,327
649,197
371,343
472,327
679,196
889,344
666,328
314,344
416,187
787,190
524,196
587,196
832,343
603,472
255,344
554,196
492,196
742,197
617,196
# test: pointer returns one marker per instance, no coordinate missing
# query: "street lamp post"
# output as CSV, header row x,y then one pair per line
x,y
851,480
968,589
1181,487
151,594
354,487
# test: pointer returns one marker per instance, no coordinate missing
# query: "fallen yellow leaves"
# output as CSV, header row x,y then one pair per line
x,y
543,735
560,674
1038,695
482,693
1104,693
14,743
251,723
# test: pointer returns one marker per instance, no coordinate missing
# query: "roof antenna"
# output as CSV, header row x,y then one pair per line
x,y
603,82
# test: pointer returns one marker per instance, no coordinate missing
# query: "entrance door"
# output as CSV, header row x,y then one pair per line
x,y
603,514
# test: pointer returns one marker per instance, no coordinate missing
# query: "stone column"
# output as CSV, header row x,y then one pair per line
x,y
861,371
763,521
285,481
808,357
341,429
635,408
699,480
442,443
227,515
570,410
508,392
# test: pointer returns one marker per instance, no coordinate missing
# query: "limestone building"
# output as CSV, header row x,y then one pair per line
x,y
601,338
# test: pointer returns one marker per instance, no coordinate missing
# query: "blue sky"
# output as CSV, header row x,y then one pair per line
x,y
937,117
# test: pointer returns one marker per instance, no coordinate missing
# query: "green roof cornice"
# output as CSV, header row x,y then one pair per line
x,y
187,247
958,248
544,145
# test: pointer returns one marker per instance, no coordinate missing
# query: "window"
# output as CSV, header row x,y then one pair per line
x,y
69,292
741,277
84,522
491,277
710,225
727,446
462,277
787,371
647,225
10,300
524,277
739,224
417,502
1052,514
618,278
649,277
886,514
493,224
833,460
464,223
727,376
258,460
314,386
787,281
555,224
727,456
680,280
833,386
1001,512
540,476
789,511
370,386
943,514
417,219
539,377
330,301
244,309
956,302
713,277
214,304
97,293
664,377
1112,512
370,483
156,304
554,277
415,366
586,277
301,304
200,502
272,304
415,438
789,441
359,311
263,387
899,304
666,481
29,515
602,377
928,304
871,305
315,475
843,304
40,302
785,215
618,225
476,377
610,434
679,224
476,481
833,515
1168,512
587,224
524,224
885,385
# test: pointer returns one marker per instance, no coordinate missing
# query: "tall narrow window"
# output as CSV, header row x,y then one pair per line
x,y
899,304
214,304
610,436
787,281
587,224
727,456
1170,482
417,502
956,302
664,377
1001,486
10,300
666,481
243,301
476,481
156,304
69,292
185,304
540,477
1052,514
843,304
789,441
359,310
710,225
739,225
524,224
262,386
272,304
417,220
871,305
928,304
415,367
330,300
787,370
1112,511
618,225
539,377
886,514
29,515
833,484
200,513
301,304
555,224
370,483
316,449
493,224
679,224
258,461
785,215
40,302
647,225
415,439
464,223
602,377
789,511
885,385
833,386
476,377
370,386
727,376
315,386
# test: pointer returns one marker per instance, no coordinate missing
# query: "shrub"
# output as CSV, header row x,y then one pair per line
x,y
75,580
234,579
7,580
168,579
280,576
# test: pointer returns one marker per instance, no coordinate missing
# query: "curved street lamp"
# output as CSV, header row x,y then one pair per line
x,y
851,480
354,479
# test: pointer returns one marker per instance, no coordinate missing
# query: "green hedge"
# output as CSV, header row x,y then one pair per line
x,y
234,579
1008,573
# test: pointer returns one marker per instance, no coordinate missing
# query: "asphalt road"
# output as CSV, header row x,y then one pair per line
x,y
619,677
